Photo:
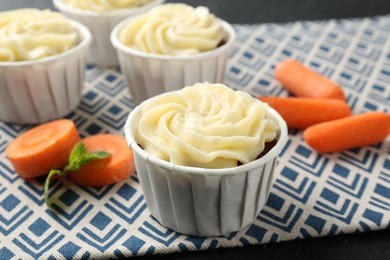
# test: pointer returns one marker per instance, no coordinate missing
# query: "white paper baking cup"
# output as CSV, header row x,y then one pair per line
x,y
205,202
37,91
147,75
100,24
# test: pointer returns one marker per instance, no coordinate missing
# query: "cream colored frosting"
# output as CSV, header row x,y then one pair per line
x,y
105,5
174,29
31,34
204,125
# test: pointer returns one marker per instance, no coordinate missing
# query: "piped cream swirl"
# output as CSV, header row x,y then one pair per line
x,y
31,34
204,125
174,29
105,5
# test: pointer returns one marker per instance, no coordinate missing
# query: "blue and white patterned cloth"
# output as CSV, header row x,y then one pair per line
x,y
313,195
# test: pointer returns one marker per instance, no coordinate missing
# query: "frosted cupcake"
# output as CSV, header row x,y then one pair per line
x,y
171,46
205,157
42,64
100,17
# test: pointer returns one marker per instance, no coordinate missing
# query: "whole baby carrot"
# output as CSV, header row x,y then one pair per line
x,y
304,82
350,132
304,112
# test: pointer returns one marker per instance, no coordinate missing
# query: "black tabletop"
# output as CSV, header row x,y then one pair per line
x,y
261,11
372,245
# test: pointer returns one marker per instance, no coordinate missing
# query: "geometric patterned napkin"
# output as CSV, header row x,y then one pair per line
x,y
312,195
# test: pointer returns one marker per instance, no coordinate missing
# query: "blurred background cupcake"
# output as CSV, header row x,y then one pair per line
x,y
100,17
42,65
171,46
205,157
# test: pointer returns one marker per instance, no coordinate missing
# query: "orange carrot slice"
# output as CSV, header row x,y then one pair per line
x,y
42,148
304,82
116,168
304,112
350,132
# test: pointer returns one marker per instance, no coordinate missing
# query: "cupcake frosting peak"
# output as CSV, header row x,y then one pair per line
x,y
105,5
204,125
31,34
174,29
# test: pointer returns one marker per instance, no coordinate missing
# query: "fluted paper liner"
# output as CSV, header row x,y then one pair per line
x,y
38,91
148,75
101,24
205,202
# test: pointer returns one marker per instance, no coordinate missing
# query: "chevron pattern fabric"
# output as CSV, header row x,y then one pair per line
x,y
312,195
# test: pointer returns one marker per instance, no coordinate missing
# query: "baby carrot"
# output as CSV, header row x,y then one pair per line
x,y
304,112
116,168
304,82
42,148
350,132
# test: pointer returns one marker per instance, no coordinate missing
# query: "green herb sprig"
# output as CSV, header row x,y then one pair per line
x,y
78,157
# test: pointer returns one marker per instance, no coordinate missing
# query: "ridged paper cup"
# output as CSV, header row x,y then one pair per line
x,y
147,75
101,24
33,92
205,202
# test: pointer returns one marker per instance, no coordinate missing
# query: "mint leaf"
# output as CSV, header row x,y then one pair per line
x,y
92,157
78,157
100,155
79,150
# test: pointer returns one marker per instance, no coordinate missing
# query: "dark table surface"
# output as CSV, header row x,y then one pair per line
x,y
372,245
260,11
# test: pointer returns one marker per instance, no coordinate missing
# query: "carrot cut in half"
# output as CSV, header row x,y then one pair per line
x,y
350,132
116,168
42,148
304,82
304,112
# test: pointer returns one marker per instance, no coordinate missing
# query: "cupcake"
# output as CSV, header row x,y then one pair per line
x,y
42,64
171,46
100,17
205,157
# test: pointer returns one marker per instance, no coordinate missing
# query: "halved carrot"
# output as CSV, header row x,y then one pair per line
x,y
116,168
42,148
304,112
350,132
304,82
